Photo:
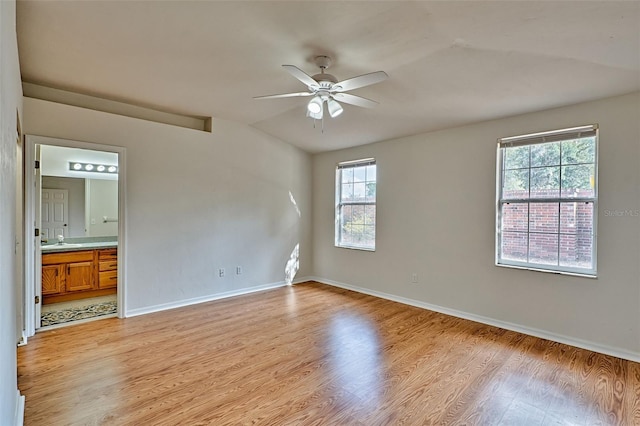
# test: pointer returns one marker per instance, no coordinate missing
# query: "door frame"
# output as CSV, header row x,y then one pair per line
x,y
20,232
32,248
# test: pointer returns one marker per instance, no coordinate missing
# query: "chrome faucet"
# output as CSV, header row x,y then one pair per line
x,y
60,239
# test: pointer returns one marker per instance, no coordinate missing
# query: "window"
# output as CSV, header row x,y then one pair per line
x,y
356,204
547,201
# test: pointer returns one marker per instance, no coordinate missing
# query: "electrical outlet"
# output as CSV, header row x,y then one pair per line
x,y
238,270
221,272
414,278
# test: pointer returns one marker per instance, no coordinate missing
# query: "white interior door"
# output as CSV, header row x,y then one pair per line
x,y
55,213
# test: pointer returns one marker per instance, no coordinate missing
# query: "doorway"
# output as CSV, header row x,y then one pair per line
x,y
75,238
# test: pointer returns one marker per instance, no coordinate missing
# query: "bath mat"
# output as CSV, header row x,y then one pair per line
x,y
74,314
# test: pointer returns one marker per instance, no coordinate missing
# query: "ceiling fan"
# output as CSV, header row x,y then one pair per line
x,y
325,88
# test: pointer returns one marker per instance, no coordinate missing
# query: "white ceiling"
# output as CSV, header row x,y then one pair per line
x,y
450,63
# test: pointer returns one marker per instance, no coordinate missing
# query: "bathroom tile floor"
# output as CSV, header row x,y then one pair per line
x,y
78,303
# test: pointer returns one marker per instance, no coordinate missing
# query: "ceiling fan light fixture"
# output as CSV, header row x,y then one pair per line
x,y
334,107
325,87
315,115
315,105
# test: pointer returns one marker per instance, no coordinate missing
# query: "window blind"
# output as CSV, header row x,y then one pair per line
x,y
356,163
553,136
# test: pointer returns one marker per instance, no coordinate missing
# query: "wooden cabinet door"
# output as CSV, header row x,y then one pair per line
x,y
79,276
52,279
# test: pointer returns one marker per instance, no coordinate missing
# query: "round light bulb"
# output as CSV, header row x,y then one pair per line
x,y
315,105
112,169
100,168
77,166
88,167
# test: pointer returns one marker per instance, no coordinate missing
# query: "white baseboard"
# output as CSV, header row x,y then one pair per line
x,y
23,338
207,298
579,343
302,280
19,417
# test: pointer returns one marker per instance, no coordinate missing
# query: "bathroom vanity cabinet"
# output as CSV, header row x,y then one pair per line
x,y
79,274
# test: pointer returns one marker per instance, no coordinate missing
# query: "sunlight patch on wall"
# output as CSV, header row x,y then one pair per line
x,y
293,264
293,201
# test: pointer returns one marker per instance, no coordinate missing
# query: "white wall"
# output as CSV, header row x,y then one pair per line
x,y
10,107
196,202
102,200
436,217
75,187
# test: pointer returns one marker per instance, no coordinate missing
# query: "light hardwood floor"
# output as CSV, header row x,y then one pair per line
x,y
316,355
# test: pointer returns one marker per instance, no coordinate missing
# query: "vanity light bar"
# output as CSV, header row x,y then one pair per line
x,y
75,166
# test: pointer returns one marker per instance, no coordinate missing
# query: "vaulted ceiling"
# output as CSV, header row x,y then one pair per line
x,y
449,63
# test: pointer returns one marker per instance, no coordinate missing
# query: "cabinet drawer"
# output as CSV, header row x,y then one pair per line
x,y
108,279
107,265
108,254
67,257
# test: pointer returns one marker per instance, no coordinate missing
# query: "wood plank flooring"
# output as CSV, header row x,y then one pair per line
x,y
316,355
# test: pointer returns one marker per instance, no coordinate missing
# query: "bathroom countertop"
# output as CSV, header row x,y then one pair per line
x,y
56,248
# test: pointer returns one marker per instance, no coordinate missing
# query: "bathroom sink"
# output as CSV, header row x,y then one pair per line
x,y
61,246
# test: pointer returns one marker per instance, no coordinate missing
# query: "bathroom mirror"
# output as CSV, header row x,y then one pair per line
x,y
90,199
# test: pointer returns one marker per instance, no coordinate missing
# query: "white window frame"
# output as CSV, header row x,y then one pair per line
x,y
539,138
339,203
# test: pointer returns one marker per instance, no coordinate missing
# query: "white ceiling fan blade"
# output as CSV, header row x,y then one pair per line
x,y
284,95
360,81
348,98
301,75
